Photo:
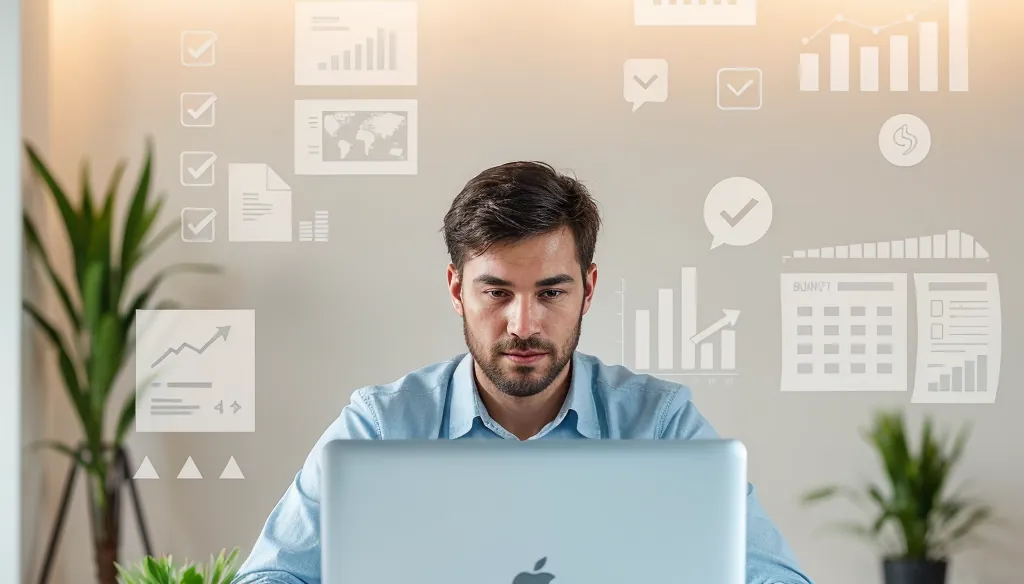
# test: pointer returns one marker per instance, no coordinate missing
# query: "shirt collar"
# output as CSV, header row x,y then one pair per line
x,y
466,406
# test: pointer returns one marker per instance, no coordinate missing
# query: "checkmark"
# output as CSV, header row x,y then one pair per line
x,y
195,229
198,48
203,48
645,84
733,220
203,107
743,89
197,224
196,172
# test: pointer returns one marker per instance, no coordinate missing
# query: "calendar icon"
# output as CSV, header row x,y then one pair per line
x,y
844,332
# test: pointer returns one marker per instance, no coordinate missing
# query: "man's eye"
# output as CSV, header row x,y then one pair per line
x,y
494,293
553,293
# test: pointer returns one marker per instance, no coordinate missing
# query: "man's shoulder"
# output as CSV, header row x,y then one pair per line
x,y
430,381
411,406
619,389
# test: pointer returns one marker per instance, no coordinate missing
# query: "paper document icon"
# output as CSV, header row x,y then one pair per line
x,y
259,204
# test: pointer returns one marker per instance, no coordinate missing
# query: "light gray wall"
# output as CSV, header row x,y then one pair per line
x,y
536,79
10,293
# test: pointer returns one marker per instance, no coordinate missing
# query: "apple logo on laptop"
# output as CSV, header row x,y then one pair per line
x,y
536,577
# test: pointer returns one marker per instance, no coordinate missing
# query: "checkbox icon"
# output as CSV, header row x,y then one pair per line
x,y
198,224
198,48
740,88
198,110
197,169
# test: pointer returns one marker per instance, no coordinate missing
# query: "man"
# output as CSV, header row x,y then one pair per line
x,y
521,239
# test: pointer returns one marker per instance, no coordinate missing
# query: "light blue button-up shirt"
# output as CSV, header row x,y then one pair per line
x,y
441,401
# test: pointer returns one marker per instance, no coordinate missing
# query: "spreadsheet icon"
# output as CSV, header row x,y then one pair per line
x,y
844,332
695,12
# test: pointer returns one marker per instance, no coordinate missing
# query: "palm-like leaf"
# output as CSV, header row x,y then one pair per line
x,y
221,569
95,343
927,521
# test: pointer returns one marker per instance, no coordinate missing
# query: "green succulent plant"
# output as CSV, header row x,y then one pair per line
x,y
928,523
221,569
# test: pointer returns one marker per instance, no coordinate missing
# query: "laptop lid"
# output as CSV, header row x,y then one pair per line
x,y
533,512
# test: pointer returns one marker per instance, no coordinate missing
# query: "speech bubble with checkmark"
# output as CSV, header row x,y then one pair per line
x,y
644,81
737,212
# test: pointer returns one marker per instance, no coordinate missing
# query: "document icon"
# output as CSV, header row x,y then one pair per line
x,y
259,204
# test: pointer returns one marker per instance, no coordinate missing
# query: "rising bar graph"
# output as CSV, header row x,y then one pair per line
x,y
710,351
953,244
840,57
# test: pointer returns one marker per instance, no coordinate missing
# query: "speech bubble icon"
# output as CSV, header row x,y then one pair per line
x,y
644,81
737,212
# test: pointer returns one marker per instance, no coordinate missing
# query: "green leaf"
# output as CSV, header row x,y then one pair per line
x,y
191,576
72,222
35,245
92,294
73,453
133,234
106,360
72,383
125,419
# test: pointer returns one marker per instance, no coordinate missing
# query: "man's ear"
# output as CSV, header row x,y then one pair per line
x,y
455,288
589,283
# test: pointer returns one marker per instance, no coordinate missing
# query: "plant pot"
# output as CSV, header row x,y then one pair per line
x,y
914,571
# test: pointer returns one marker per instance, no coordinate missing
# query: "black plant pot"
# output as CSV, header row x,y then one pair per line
x,y
915,571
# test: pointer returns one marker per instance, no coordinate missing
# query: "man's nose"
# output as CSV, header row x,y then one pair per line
x,y
524,320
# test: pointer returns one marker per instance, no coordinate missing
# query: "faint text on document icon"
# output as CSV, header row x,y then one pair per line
x,y
695,12
259,204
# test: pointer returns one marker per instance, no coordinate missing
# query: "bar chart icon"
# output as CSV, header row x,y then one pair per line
x,y
356,42
695,354
899,49
315,230
953,244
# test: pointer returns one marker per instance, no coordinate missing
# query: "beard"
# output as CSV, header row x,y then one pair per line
x,y
522,380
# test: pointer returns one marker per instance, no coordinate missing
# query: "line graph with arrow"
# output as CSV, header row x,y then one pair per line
x,y
667,342
222,333
195,371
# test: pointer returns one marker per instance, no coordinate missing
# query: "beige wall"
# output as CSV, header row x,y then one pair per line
x,y
542,80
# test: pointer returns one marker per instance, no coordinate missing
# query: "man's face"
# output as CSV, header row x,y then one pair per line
x,y
522,305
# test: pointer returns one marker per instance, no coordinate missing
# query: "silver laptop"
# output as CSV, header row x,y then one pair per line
x,y
533,512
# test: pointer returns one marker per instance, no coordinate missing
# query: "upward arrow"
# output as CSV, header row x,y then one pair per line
x,y
728,320
222,331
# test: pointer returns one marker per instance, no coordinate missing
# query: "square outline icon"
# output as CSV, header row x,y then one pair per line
x,y
212,107
211,213
210,164
209,47
760,88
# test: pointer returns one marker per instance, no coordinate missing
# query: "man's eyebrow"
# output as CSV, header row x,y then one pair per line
x,y
489,280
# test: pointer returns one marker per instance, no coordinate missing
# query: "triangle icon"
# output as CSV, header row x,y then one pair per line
x,y
146,470
189,471
231,471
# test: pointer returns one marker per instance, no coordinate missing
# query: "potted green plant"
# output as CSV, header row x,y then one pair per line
x,y
928,523
219,570
93,333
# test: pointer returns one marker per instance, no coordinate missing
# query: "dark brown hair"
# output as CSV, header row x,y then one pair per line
x,y
515,201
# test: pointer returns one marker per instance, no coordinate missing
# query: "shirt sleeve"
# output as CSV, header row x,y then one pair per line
x,y
287,550
769,558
